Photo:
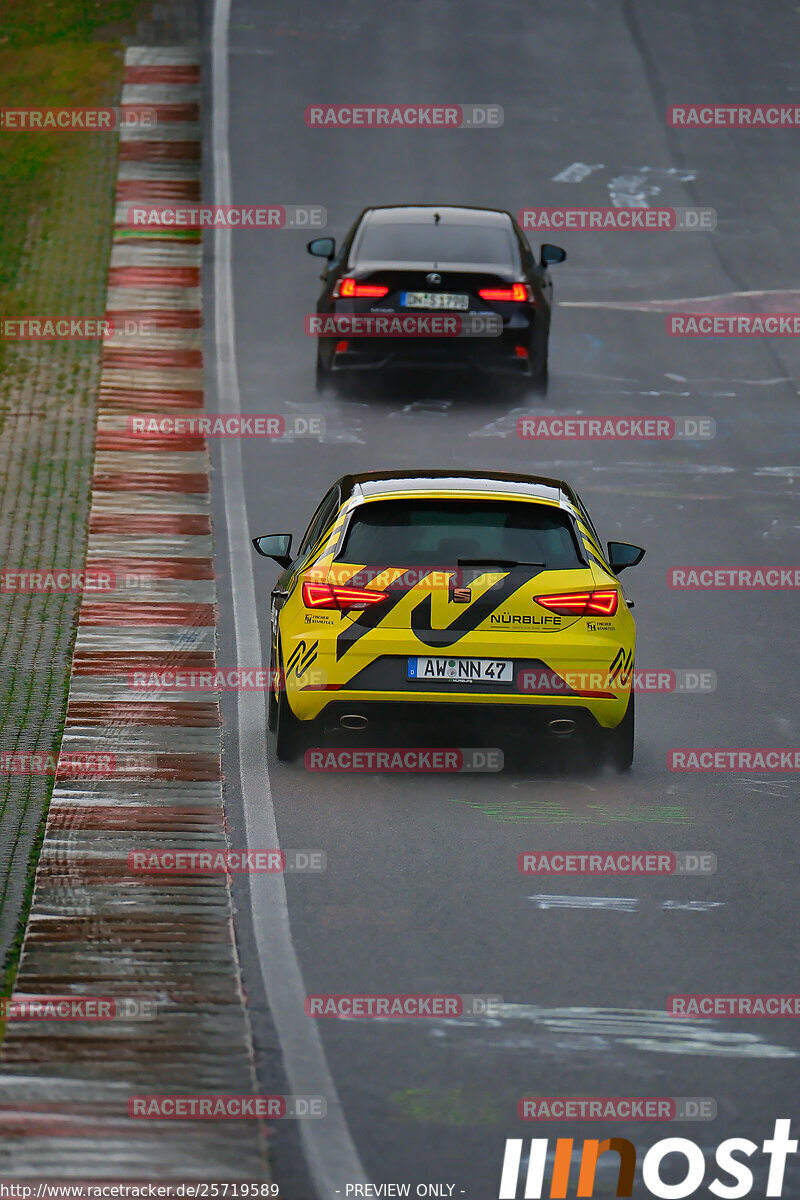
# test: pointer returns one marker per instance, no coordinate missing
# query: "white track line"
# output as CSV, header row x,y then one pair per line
x,y
330,1153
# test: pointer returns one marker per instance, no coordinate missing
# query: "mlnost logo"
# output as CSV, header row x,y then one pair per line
x,y
692,1168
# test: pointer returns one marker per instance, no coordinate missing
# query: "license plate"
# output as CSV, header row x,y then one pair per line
x,y
434,300
462,670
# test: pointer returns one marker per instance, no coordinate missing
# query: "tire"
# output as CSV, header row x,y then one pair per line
x,y
620,741
540,381
290,738
272,696
324,377
320,376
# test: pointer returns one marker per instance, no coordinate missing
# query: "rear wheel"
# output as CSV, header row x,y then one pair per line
x,y
272,694
541,379
290,736
540,382
619,741
325,377
321,375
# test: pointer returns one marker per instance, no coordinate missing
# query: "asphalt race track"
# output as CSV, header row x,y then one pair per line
x,y
422,891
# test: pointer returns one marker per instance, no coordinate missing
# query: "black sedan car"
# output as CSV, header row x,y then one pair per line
x,y
427,286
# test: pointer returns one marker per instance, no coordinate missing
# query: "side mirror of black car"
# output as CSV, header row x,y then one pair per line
x,y
552,254
275,545
322,247
623,554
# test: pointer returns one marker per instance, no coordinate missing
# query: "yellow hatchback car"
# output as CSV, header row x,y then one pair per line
x,y
431,599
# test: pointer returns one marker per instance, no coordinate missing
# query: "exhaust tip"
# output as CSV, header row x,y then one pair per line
x,y
353,721
562,725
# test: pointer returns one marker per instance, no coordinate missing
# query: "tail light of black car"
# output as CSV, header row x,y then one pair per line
x,y
351,289
521,292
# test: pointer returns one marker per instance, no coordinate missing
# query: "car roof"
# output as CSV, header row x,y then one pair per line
x,y
370,484
420,214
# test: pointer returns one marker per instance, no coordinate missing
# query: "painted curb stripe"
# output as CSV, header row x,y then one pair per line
x,y
157,189
163,73
152,358
145,151
158,318
153,276
166,111
161,568
155,523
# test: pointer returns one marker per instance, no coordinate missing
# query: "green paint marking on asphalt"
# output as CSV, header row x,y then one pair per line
x,y
557,813
433,1107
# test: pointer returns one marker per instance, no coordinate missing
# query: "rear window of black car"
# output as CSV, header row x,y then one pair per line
x,y
437,533
435,244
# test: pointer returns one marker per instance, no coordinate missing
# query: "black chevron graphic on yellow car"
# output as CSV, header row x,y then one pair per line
x,y
466,621
620,669
301,658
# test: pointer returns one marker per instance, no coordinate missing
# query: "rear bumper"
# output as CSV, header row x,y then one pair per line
x,y
518,351
438,723
577,668
317,699
433,354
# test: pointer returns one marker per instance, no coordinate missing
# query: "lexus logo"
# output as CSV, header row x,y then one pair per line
x,y
434,277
